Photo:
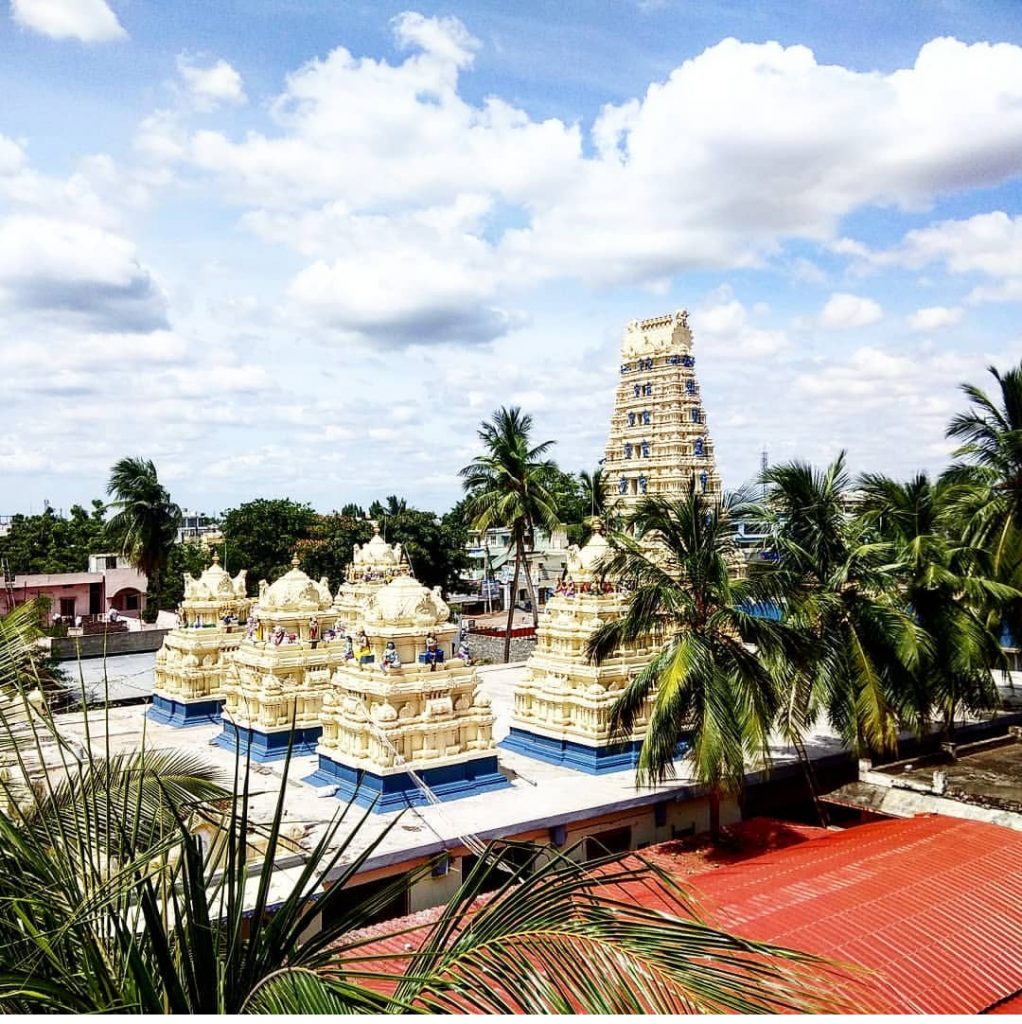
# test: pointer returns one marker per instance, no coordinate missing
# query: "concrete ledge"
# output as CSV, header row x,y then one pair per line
x,y
69,648
392,792
268,746
593,760
182,714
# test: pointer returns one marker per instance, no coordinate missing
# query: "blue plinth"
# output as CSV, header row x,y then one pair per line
x,y
578,756
268,746
393,792
179,713
438,657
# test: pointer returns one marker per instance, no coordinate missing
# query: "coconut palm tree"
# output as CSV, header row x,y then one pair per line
x,y
141,883
145,524
944,581
505,488
838,590
706,681
990,506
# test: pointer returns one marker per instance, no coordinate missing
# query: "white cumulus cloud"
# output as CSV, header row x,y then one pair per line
x,y
77,271
91,21
843,311
213,84
935,318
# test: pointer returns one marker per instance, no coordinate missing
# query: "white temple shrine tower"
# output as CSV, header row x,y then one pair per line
x,y
659,440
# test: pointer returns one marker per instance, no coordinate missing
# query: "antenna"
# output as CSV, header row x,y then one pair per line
x,y
764,465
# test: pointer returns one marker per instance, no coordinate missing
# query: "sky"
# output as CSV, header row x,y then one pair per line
x,y
300,248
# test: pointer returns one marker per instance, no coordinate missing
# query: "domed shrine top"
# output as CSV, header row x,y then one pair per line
x,y
295,592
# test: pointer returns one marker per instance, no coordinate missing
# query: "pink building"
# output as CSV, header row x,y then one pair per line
x,y
111,582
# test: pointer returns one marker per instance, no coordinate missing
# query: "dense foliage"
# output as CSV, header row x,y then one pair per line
x,y
48,543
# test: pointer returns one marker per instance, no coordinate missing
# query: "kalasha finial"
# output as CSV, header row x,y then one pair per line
x,y
216,557
595,524
294,560
375,524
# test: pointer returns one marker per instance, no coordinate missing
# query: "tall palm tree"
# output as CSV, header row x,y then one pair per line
x,y
505,488
145,525
837,589
705,681
945,583
990,507
111,902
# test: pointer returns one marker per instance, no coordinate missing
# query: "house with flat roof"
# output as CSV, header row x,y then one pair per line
x,y
111,582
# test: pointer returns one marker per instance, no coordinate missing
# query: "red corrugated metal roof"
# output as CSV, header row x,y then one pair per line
x,y
933,905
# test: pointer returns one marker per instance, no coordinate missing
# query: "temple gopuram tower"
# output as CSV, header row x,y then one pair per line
x,y
282,667
659,440
191,663
562,703
407,707
373,565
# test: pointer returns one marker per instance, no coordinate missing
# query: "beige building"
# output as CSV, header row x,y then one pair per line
x,y
407,716
190,665
562,703
659,439
276,678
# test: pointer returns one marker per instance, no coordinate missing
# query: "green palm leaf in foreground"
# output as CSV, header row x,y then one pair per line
x,y
111,901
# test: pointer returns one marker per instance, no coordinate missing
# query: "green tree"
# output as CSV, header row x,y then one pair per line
x,y
704,681
989,507
328,548
48,543
836,587
145,524
944,581
435,545
189,556
506,488
262,535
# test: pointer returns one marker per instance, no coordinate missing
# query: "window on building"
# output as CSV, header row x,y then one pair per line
x,y
612,840
67,607
111,561
397,906
131,601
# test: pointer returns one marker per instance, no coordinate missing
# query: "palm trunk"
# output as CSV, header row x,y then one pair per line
x,y
715,815
532,594
511,605
814,790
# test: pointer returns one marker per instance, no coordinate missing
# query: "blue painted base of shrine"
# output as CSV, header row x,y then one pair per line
x,y
180,713
268,746
393,792
579,757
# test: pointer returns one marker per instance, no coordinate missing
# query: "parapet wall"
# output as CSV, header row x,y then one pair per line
x,y
65,648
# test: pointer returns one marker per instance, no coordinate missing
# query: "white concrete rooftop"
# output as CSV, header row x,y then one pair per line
x,y
541,795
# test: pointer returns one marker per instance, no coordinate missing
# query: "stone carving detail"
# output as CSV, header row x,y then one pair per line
x,y
560,695
665,402
191,663
425,711
373,566
282,667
